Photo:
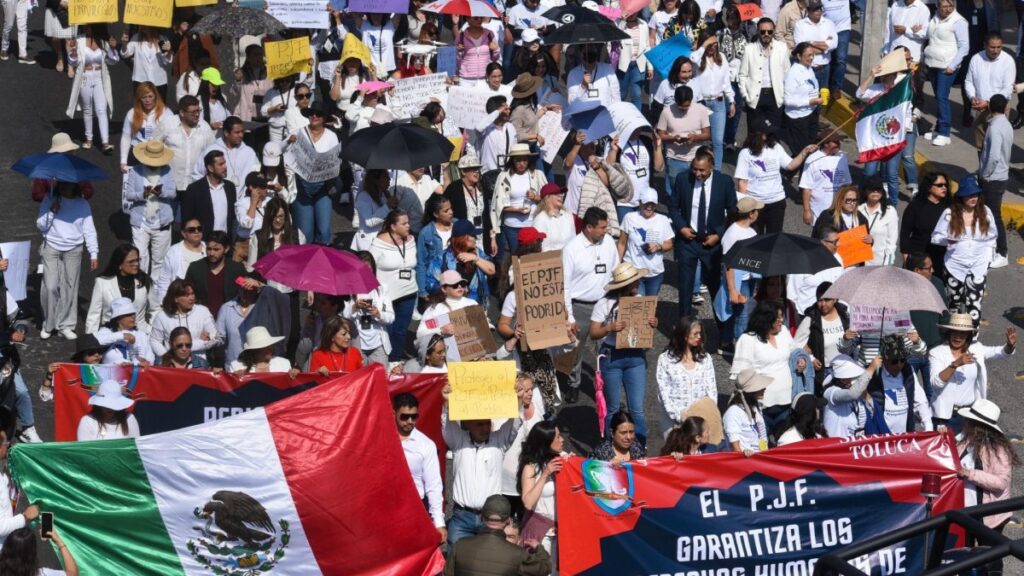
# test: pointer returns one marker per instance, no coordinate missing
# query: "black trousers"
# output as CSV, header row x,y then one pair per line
x,y
993,191
771,218
765,108
799,132
689,255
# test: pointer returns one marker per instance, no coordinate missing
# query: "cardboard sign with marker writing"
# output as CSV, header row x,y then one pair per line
x,y
540,299
92,11
287,57
482,390
149,12
635,311
472,333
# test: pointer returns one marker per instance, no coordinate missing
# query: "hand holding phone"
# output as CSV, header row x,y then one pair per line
x,y
45,525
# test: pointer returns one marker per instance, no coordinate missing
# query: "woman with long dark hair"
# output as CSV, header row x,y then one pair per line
x,y
394,251
716,90
438,223
805,420
277,230
20,555
883,225
108,418
121,278
689,438
685,372
211,98
920,217
801,100
621,444
759,168
539,462
743,421
821,332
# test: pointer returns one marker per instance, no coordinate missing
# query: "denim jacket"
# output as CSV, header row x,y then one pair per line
x,y
448,261
429,247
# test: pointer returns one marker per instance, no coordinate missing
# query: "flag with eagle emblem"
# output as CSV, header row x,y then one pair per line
x,y
313,484
882,125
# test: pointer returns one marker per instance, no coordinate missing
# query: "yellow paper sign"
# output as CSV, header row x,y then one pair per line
x,y
184,3
457,151
91,11
354,48
287,57
149,12
482,390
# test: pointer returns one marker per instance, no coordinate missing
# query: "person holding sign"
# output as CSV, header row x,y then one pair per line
x,y
451,297
843,214
621,367
312,205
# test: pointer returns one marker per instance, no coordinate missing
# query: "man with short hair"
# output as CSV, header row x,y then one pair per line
x,y
587,263
421,455
214,277
762,76
994,171
496,139
821,34
187,135
239,157
490,553
211,199
991,71
179,256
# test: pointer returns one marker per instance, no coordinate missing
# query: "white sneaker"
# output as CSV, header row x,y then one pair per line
x,y
29,436
68,334
999,261
703,289
44,335
929,135
941,141
697,298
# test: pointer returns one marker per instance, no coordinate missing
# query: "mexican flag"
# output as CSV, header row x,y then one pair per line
x,y
881,127
314,484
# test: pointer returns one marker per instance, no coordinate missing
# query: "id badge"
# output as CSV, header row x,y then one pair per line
x,y
600,268
501,160
405,274
641,172
974,19
477,221
593,93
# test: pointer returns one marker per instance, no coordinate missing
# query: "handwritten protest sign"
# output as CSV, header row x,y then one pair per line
x,y
17,255
749,11
446,61
554,134
473,338
287,57
635,312
411,94
540,299
663,55
149,12
379,6
313,166
467,107
872,318
852,248
354,48
92,11
482,390
300,13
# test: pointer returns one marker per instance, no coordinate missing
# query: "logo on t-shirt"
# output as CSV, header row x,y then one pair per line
x,y
829,174
760,164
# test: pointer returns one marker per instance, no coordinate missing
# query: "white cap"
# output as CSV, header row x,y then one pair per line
x,y
648,195
528,36
271,154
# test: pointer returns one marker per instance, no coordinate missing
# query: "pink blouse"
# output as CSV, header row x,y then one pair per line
x,y
476,55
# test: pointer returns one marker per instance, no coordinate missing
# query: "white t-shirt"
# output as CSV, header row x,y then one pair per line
x,y
657,228
659,22
559,229
752,435
636,161
519,186
606,311
733,234
89,428
843,419
832,334
823,175
763,173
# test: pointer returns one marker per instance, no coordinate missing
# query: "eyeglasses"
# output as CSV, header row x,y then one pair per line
x,y
304,96
766,32
941,185
135,261
832,242
404,417
194,229
849,200
183,345
462,284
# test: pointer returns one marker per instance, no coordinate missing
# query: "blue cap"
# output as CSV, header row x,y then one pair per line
x,y
463,228
968,187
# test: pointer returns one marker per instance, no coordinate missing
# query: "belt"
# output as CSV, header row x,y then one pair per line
x,y
716,98
92,67
819,67
465,509
589,303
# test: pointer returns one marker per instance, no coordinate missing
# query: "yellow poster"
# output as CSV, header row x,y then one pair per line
x,y
354,48
184,3
482,390
287,57
91,11
457,151
149,12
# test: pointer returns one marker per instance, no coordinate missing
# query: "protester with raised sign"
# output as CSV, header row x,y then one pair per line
x,y
451,297
91,53
378,32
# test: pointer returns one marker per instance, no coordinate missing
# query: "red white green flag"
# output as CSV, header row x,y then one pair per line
x,y
881,128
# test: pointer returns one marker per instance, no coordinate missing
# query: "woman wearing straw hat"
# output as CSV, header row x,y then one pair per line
x,y
526,113
957,367
743,421
149,189
258,354
516,194
621,367
108,419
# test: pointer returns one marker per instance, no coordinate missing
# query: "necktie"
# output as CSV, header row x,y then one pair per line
x,y
702,209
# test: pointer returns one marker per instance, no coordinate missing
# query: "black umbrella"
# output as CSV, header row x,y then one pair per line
x,y
235,21
579,25
397,146
780,253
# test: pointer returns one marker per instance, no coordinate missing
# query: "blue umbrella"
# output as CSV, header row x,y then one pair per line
x,y
591,117
58,166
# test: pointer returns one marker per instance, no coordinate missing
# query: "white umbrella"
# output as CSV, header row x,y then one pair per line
x,y
887,287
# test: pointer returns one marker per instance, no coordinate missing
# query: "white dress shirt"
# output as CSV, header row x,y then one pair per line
x,y
219,198
699,186
187,146
987,77
587,268
908,16
801,86
971,252
497,141
823,31
241,161
421,455
714,82
477,467
604,85
968,383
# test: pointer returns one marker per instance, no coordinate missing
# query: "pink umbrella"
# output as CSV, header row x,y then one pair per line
x,y
463,8
317,268
599,401
373,86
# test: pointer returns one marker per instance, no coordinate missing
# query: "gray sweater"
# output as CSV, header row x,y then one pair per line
x,y
995,154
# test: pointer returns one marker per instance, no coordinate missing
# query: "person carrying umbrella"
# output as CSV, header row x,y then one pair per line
x,y
593,79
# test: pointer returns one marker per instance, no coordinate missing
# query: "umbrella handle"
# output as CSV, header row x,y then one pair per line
x,y
599,356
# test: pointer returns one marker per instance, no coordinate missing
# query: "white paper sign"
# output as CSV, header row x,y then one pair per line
x,y
16,276
627,119
871,318
554,134
411,94
299,13
467,107
311,165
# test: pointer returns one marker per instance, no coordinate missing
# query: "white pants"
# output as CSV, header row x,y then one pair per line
x,y
61,271
16,10
153,246
94,103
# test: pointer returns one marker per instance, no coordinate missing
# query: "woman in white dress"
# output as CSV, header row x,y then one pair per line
x,y
57,29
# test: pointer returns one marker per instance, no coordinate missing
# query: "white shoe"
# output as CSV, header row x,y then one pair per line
x,y
68,334
999,261
941,141
29,436
44,335
703,289
929,135
697,298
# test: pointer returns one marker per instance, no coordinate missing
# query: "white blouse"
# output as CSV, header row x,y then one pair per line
x,y
768,360
679,387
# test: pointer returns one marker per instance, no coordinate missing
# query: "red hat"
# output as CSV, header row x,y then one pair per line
x,y
551,189
529,235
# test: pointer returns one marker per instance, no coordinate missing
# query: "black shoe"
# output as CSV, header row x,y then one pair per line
x,y
572,395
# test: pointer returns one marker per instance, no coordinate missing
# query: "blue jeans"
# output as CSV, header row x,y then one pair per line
x,y
621,211
23,402
736,325
651,285
463,524
631,85
719,113
673,169
892,169
942,83
625,368
403,307
311,210
731,124
508,242
803,381
821,75
838,65
921,366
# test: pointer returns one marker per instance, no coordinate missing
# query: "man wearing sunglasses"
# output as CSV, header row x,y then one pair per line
x,y
762,71
421,455
896,389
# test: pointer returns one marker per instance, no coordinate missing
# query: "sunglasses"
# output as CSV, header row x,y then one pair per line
x,y
462,284
303,96
405,417
849,200
183,345
941,185
194,229
766,32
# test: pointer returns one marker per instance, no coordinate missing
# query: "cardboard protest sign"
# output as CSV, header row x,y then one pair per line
x,y
635,311
354,48
749,11
482,390
411,94
300,13
871,319
378,6
149,12
467,107
446,61
540,299
91,11
187,3
852,248
473,338
313,166
287,57
554,134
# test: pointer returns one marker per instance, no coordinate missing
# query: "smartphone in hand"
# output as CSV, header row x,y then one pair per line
x,y
45,525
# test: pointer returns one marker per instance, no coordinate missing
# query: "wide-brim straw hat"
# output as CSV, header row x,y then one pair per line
x,y
258,338
153,153
961,322
625,274
526,85
519,151
893,63
985,411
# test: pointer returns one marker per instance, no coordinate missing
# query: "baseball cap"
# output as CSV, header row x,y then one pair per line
x,y
747,205
463,228
496,508
529,235
450,277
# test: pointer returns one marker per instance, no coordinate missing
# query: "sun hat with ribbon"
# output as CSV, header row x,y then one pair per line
x,y
153,153
526,85
625,274
960,322
61,142
985,411
258,338
109,395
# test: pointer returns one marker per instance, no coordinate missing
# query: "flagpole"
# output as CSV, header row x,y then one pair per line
x,y
836,129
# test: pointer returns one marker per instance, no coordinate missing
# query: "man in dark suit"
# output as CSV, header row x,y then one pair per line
x,y
700,211
214,277
211,199
490,553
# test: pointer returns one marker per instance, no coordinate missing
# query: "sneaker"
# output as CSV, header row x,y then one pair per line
x,y
941,141
4,55
44,335
697,299
25,60
68,334
999,261
29,435
87,144
108,149
929,135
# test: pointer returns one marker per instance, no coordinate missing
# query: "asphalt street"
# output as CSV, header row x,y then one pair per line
x,y
35,100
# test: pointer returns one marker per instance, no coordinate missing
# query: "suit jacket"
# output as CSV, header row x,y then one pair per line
x,y
489,554
197,203
721,203
103,293
199,271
